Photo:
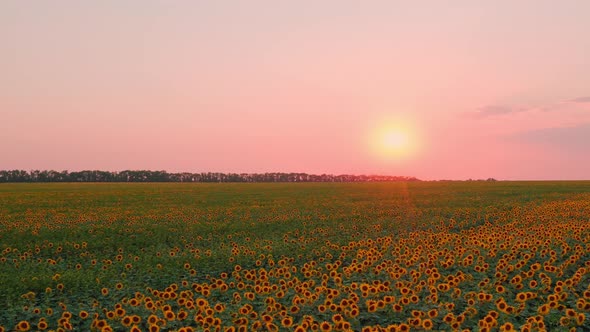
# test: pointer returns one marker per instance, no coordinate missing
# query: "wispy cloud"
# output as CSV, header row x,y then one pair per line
x,y
580,100
502,110
494,110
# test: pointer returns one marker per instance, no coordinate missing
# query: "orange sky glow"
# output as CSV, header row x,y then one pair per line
x,y
434,90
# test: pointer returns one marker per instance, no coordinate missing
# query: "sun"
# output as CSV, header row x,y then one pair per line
x,y
393,141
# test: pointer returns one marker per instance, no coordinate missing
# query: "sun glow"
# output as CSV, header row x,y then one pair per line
x,y
393,141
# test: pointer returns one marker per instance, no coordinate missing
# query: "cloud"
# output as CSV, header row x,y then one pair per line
x,y
579,103
575,138
493,110
580,100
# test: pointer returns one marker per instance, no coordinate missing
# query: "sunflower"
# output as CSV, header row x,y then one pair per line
x,y
580,319
111,315
570,313
432,313
507,327
325,327
448,318
120,312
127,321
427,324
42,325
287,322
521,297
170,315
564,321
403,327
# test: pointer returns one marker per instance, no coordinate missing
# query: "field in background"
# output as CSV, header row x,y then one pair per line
x,y
323,256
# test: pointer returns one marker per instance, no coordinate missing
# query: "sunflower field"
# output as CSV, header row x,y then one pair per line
x,y
399,256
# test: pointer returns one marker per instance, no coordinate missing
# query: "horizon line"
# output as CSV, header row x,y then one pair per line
x,y
335,175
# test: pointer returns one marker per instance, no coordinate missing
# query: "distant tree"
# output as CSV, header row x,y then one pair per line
x,y
163,176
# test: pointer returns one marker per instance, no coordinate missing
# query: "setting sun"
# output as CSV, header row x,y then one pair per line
x,y
393,141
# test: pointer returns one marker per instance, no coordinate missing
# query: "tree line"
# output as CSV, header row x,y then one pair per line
x,y
163,176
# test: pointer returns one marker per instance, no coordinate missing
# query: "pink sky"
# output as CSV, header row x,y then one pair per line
x,y
496,89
